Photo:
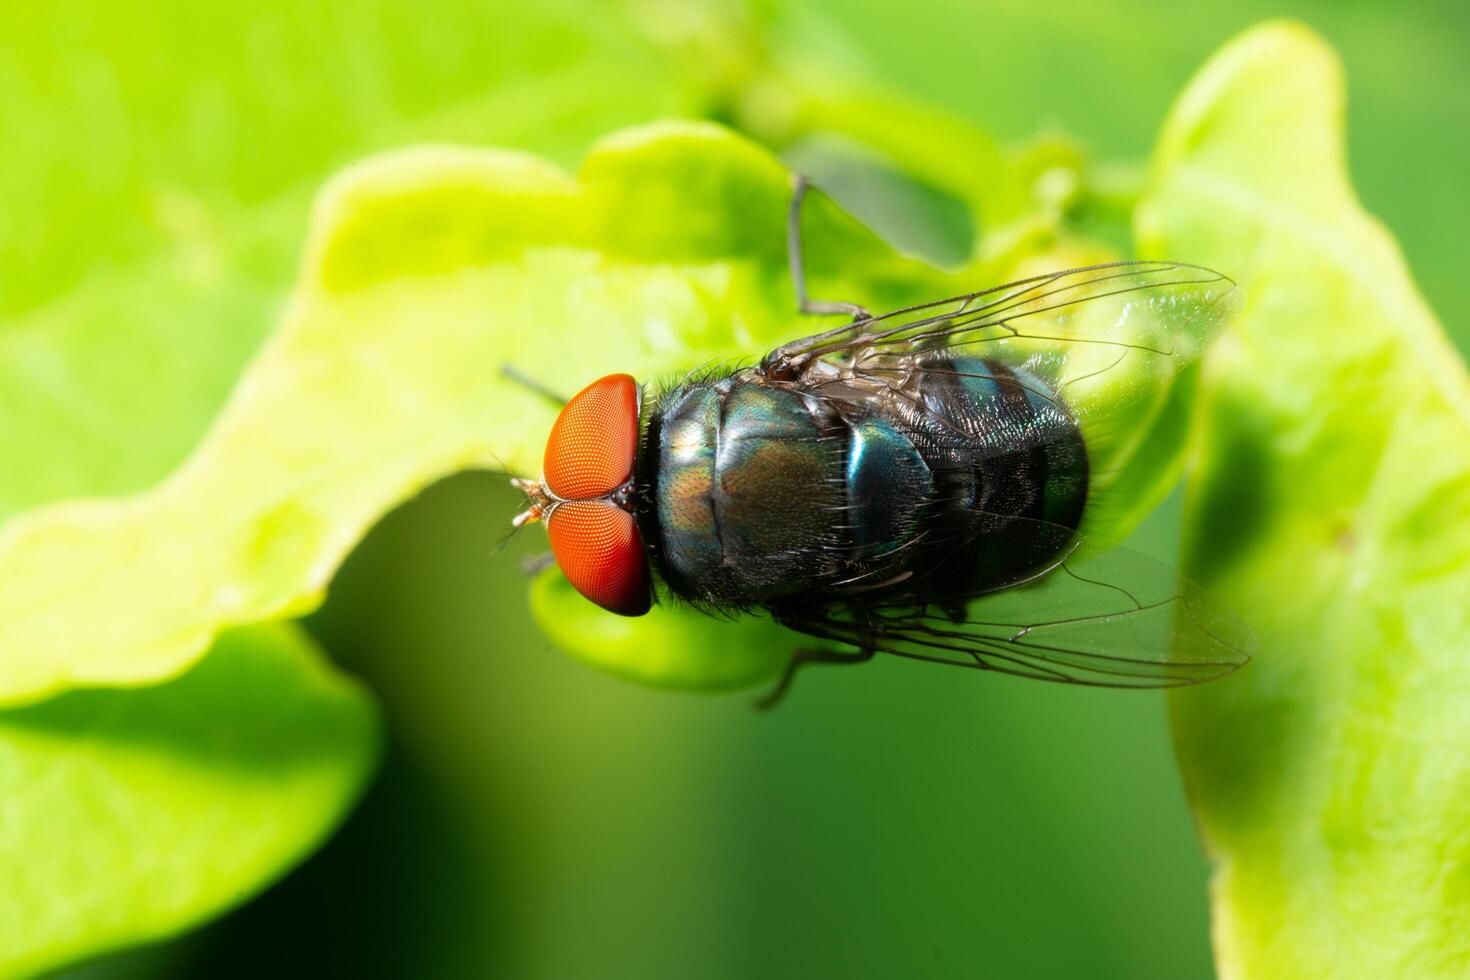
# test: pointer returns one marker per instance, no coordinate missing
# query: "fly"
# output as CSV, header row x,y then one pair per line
x,y
915,483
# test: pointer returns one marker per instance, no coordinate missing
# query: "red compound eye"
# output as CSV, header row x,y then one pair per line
x,y
600,551
591,448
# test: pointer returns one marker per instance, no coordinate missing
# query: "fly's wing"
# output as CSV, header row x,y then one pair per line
x,y
1110,619
1102,345
1102,337
1097,349
1167,310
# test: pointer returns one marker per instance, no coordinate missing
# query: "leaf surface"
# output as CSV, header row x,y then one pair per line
x,y
128,815
1331,508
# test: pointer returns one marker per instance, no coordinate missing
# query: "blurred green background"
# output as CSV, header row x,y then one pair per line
x,y
535,818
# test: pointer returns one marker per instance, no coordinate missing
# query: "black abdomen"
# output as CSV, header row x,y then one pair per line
x,y
1010,469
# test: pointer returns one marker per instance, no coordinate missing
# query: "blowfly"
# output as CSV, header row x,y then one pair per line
x,y
915,483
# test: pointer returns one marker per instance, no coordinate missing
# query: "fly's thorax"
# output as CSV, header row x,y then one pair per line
x,y
748,491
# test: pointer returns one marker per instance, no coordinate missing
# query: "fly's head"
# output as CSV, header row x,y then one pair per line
x,y
585,496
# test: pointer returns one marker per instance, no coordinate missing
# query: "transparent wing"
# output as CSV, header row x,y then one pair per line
x,y
1137,323
1165,308
1111,619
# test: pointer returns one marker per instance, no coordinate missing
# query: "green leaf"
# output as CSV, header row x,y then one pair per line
x,y
667,649
159,169
1331,507
129,815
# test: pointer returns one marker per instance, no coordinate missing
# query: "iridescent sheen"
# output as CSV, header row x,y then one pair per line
x,y
888,488
749,488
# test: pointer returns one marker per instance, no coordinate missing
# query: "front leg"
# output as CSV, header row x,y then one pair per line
x,y
813,307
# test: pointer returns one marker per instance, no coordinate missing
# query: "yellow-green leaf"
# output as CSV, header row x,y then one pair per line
x,y
1331,507
149,234
127,815
665,649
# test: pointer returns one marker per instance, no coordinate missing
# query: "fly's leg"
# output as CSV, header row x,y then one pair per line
x,y
512,374
805,656
812,307
534,565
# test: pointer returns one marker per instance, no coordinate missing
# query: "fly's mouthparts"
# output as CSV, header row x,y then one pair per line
x,y
540,499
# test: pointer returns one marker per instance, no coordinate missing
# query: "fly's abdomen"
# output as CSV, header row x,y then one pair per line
x,y
1025,447
1010,470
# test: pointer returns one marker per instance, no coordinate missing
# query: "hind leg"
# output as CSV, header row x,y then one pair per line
x,y
807,655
